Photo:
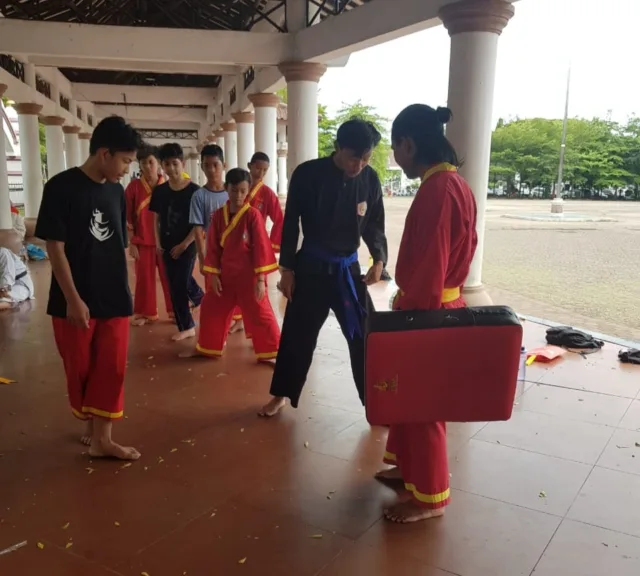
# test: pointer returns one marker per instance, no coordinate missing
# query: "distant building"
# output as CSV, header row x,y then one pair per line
x,y
11,132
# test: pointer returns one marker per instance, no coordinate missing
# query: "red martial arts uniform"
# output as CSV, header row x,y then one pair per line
x,y
435,254
238,249
140,222
265,200
89,219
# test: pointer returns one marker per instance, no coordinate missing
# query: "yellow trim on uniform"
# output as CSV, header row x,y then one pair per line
x,y
276,247
79,415
234,221
266,355
211,270
448,295
254,191
216,353
236,317
389,456
143,205
102,413
268,268
442,167
428,498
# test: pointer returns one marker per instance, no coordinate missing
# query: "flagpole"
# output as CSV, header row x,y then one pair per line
x,y
557,204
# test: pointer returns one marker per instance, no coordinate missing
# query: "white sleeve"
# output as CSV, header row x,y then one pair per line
x,y
7,269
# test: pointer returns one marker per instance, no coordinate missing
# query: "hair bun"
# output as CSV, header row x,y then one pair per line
x,y
444,115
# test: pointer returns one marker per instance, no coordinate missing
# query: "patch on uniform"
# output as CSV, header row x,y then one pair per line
x,y
362,208
245,236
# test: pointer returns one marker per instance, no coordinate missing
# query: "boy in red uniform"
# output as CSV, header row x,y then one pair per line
x,y
83,221
140,222
265,200
238,258
438,244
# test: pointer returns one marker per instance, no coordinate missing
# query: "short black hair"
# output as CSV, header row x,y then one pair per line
x,y
116,135
425,126
358,135
147,150
212,150
170,151
260,157
236,176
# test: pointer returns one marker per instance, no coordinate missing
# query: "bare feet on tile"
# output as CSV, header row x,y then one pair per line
x,y
191,333
273,407
408,512
109,449
390,476
88,433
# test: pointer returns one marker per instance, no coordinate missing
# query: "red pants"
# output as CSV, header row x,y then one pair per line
x,y
145,300
95,361
420,452
216,314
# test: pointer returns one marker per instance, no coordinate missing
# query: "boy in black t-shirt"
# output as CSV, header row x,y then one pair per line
x,y
175,238
83,221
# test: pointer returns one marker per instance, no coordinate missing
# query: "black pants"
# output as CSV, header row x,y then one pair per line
x,y
183,287
313,297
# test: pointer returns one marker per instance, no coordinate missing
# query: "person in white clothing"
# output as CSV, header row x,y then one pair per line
x,y
15,281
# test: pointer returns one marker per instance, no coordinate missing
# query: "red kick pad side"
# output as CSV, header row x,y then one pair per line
x,y
442,365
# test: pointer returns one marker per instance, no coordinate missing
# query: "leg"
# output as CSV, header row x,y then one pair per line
x,y
74,347
104,397
238,323
303,319
421,456
179,272
164,281
215,318
391,476
356,344
264,326
145,302
195,291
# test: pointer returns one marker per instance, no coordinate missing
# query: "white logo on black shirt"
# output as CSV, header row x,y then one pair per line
x,y
99,228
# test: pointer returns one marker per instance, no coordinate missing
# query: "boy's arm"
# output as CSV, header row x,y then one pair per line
x,y
129,195
274,211
196,219
264,260
156,230
200,244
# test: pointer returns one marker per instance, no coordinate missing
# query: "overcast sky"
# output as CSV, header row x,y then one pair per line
x,y
599,37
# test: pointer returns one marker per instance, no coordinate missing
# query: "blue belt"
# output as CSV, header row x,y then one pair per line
x,y
352,310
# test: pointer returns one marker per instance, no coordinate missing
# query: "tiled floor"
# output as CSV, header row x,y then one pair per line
x,y
218,491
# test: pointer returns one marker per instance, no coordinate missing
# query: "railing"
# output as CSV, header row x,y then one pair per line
x,y
43,86
13,66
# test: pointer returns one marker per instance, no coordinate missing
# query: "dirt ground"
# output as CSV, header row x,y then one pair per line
x,y
586,274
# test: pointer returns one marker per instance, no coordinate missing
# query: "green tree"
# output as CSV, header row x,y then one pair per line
x,y
380,157
327,127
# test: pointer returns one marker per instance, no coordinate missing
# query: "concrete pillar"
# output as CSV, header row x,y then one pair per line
x,y
282,172
282,132
192,166
55,145
71,145
230,144
84,139
474,27
302,110
30,156
219,140
266,132
244,122
6,225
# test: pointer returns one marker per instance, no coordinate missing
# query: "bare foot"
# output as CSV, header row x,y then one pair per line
x,y
172,316
110,449
273,407
237,326
271,362
389,476
139,321
191,353
408,512
184,335
88,432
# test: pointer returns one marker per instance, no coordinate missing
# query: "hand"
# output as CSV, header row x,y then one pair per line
x,y
176,251
4,293
259,288
287,284
78,314
374,274
215,285
134,252
159,250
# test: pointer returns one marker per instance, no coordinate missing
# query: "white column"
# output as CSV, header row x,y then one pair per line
x,y
282,131
71,145
5,199
282,172
266,130
244,122
219,140
474,27
302,110
84,139
192,166
30,156
55,145
230,144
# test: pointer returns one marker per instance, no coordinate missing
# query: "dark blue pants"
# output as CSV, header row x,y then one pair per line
x,y
183,286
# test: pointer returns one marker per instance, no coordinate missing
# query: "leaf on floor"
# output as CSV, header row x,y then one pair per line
x,y
116,523
68,545
90,470
317,536
173,450
127,465
40,545
242,560
7,381
66,525
306,444
542,494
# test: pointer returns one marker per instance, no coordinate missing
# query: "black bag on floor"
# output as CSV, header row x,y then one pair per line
x,y
630,356
568,337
